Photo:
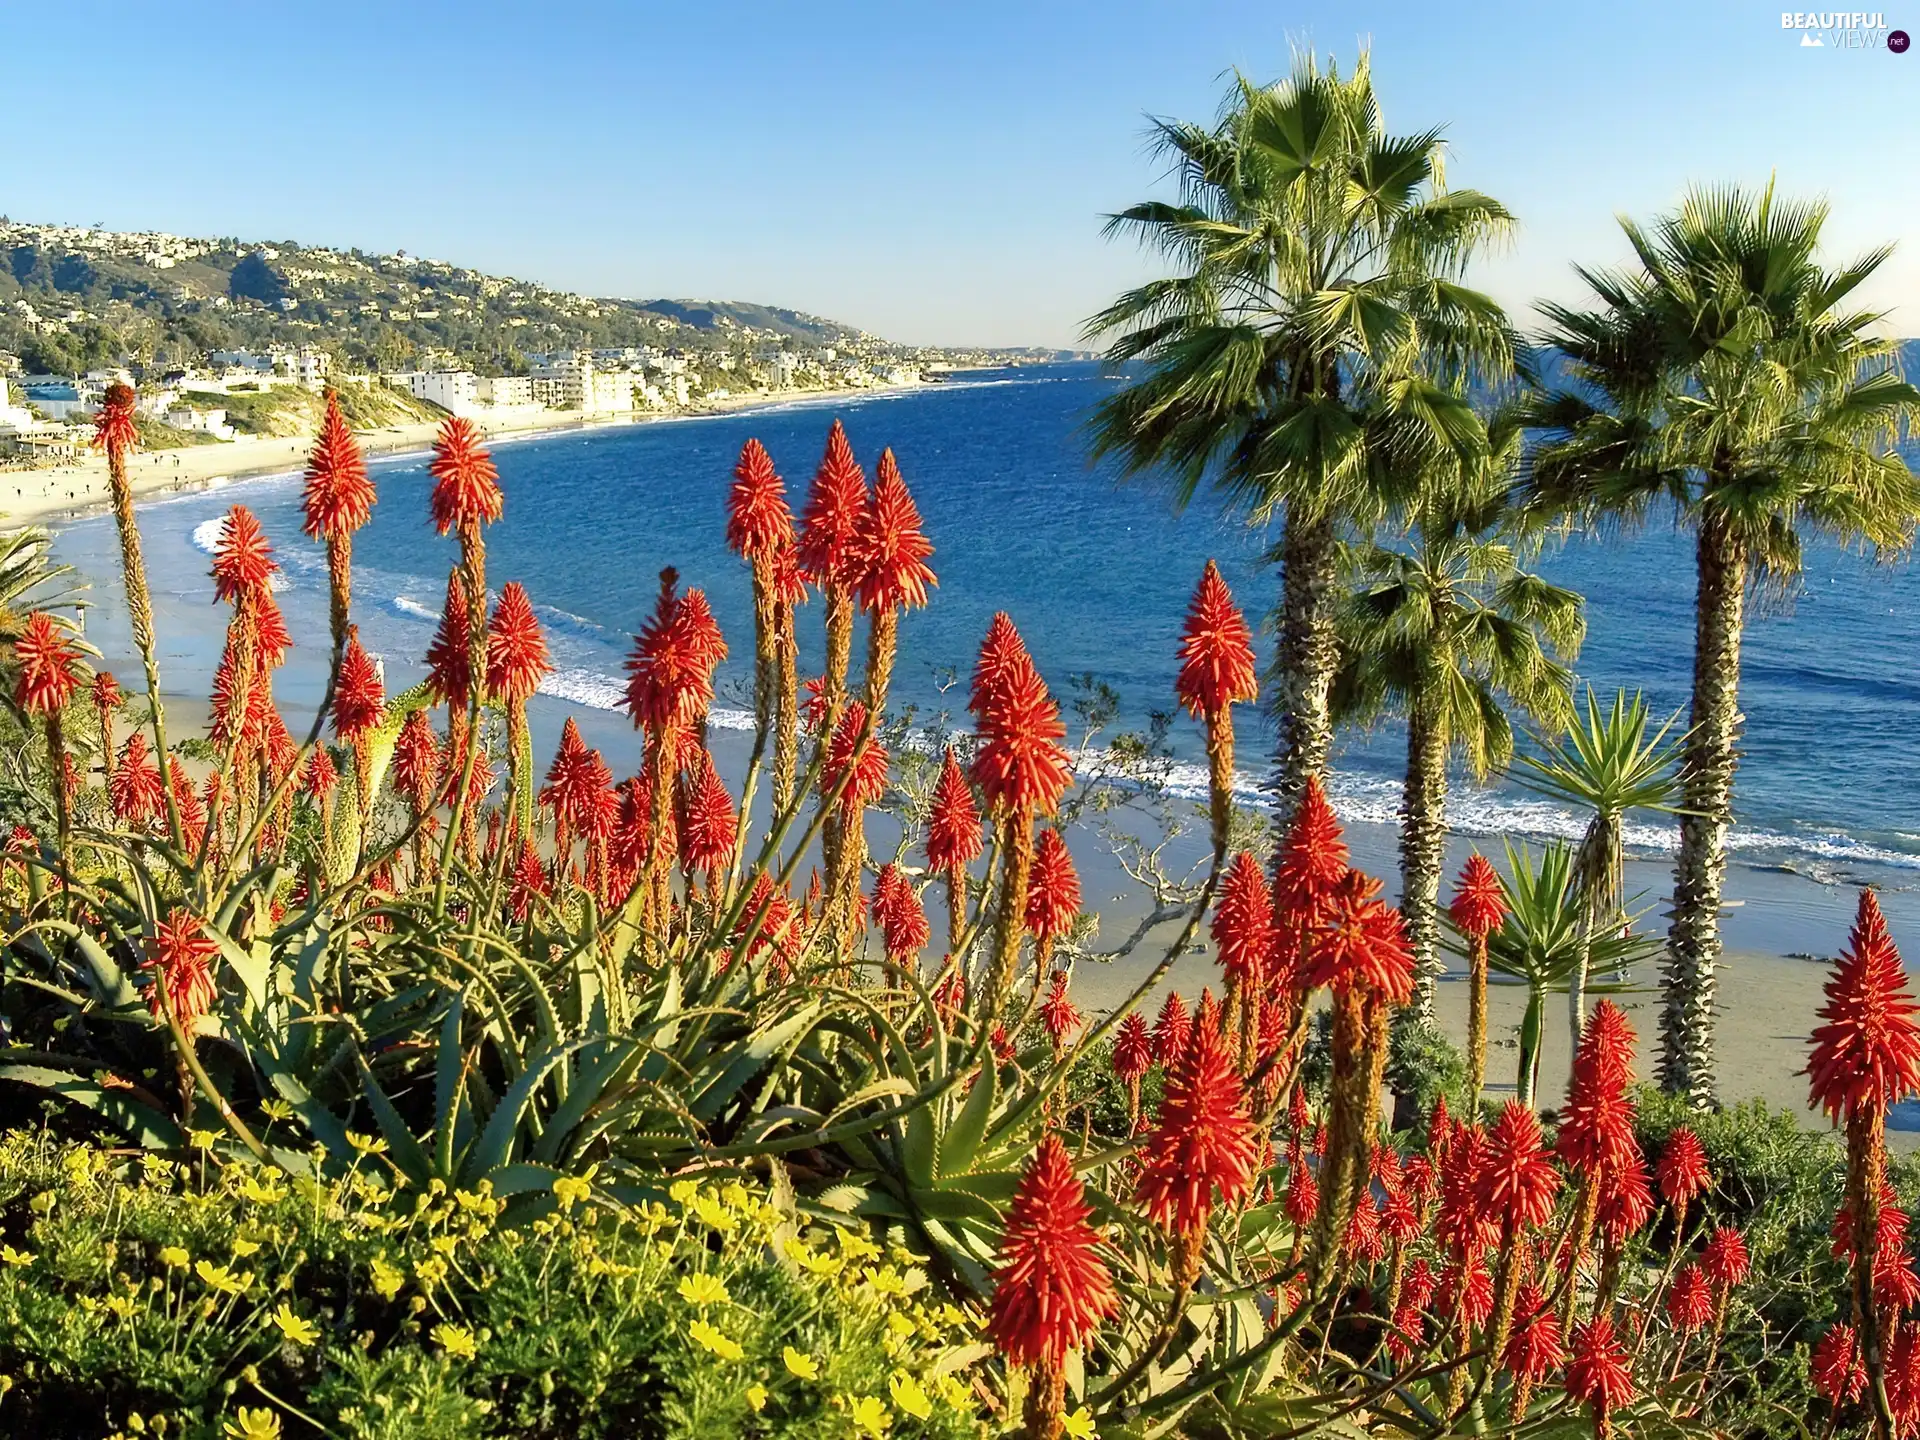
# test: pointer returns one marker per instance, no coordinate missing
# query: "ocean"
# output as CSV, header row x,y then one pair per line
x,y
1095,573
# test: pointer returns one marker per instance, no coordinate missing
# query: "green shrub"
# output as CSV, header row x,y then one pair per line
x,y
192,1299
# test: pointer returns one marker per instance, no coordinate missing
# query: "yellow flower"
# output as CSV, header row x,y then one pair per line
x,y
206,1140
571,1190
173,1257
803,1366
683,1191
869,1413
386,1280
261,1424
242,1248
300,1332
430,1271
856,1246
706,1335
1079,1424
954,1316
121,1305
703,1290
954,1393
886,1280
757,1397
219,1277
366,1144
271,1193
276,1109
901,1326
456,1340
445,1244
15,1257
713,1214
909,1395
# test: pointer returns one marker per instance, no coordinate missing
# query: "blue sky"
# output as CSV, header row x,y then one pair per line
x,y
936,173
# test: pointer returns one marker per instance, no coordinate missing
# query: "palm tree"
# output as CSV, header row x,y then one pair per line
x,y
1307,343
1608,765
1730,376
1541,944
1447,629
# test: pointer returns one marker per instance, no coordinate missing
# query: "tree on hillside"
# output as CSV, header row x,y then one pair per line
x,y
1303,356
1731,377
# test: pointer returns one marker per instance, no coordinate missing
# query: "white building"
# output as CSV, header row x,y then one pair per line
x,y
208,422
455,391
502,390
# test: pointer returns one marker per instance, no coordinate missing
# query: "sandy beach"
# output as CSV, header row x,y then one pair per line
x,y
66,492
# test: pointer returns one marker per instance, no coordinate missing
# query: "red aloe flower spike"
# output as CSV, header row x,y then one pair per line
x,y
1362,946
1243,923
339,495
953,827
449,657
416,761
193,816
1020,766
106,691
708,825
1058,1014
671,667
48,662
136,790
178,955
1596,1126
1516,1180
574,780
1690,1302
903,919
892,548
517,658
1216,650
1053,889
243,562
1479,901
828,546
1051,1288
1838,1373
1132,1050
1866,1057
1302,1201
321,774
863,762
1000,652
1725,1261
529,880
1204,1139
759,524
115,429
466,489
1599,1372
1171,1030
1682,1171
360,701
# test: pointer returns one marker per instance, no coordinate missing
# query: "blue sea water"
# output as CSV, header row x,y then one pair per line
x,y
1096,574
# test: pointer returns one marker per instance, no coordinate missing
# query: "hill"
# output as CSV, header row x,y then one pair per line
x,y
73,299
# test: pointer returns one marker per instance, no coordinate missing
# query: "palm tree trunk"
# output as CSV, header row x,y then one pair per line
x,y
1423,843
1305,658
1597,870
1706,779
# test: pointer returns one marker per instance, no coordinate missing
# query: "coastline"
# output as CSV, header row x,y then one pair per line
x,y
63,493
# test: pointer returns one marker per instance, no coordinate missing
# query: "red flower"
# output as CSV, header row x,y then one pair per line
x,y
243,561
899,914
1682,1170
114,427
1460,1222
1468,1290
1690,1302
1479,902
1596,1127
1363,1238
1243,922
1362,945
759,524
339,496
1626,1199
953,827
178,953
862,760
1313,860
466,487
779,935
1516,1180
106,691
1000,651
1725,1260
671,667
450,656
516,651
1303,1188
416,761
529,879
1534,1350
829,546
193,816
322,774
1216,650
1058,1014
1053,888
575,779
1020,767
892,548
1866,1058
1204,1139
48,661
1598,1372
136,790
359,701
1902,1367
708,825
271,638
1132,1049
1171,1030
1838,1372
1051,1289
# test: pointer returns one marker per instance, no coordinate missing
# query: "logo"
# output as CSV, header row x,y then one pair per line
x,y
1844,30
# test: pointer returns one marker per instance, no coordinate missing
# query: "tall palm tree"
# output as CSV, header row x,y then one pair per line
x,y
1447,629
1307,342
1732,377
1610,765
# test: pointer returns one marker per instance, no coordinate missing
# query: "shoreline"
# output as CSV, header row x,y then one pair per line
x,y
61,494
